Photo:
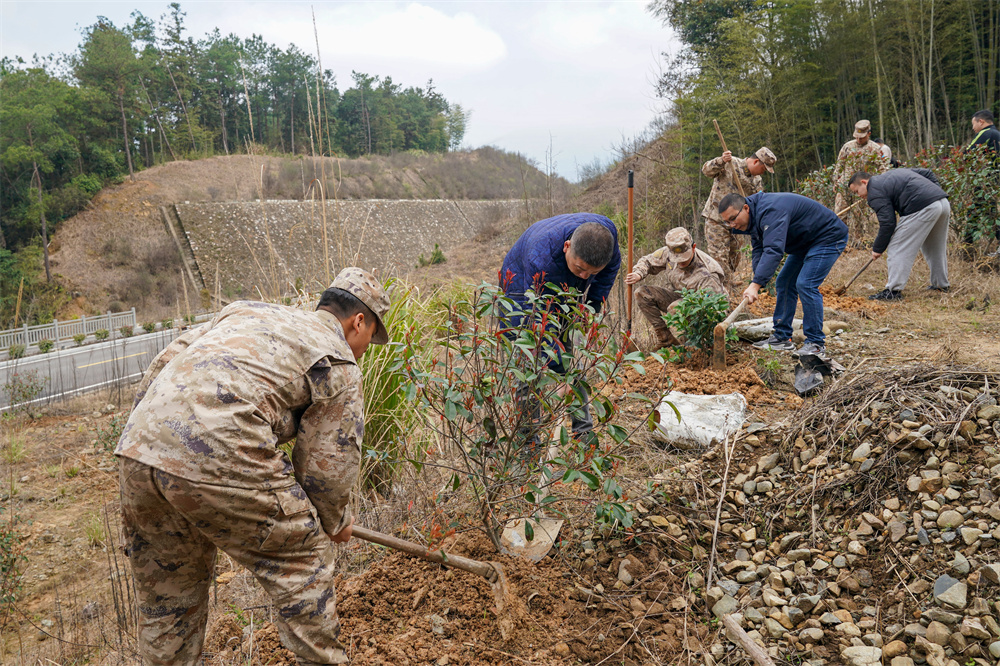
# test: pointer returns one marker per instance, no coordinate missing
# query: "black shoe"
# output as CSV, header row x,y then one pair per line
x,y
942,289
887,295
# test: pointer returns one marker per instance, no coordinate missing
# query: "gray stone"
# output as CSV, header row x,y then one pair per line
x,y
960,564
938,633
840,561
991,572
950,520
938,615
862,452
724,606
897,530
802,554
949,536
774,628
730,587
901,661
923,538
995,649
829,619
813,635
753,615
795,616
973,628
950,592
806,603
862,655
746,577
970,535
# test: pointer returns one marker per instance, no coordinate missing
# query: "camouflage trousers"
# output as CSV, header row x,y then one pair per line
x,y
653,303
722,246
172,528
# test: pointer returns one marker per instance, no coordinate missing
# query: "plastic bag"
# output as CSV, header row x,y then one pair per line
x,y
705,419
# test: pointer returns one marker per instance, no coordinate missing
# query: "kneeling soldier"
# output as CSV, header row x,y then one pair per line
x,y
686,267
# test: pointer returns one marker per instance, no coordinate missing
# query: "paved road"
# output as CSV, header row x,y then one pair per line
x,y
69,372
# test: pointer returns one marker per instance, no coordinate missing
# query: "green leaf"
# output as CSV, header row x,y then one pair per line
x,y
529,531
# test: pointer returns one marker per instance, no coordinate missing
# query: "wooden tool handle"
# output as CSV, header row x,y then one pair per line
x,y
483,569
735,313
631,243
736,178
844,210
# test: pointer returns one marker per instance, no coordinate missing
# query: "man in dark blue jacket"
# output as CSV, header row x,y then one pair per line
x,y
924,212
578,250
811,235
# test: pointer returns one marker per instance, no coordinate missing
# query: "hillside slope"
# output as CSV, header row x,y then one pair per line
x,y
117,253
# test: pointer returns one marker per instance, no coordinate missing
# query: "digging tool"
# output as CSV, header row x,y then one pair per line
x,y
844,210
719,349
736,178
630,345
491,571
843,290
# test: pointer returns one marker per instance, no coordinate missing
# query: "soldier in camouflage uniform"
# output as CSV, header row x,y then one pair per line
x,y
686,267
858,154
200,466
722,245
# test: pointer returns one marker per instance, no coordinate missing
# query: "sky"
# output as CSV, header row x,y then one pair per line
x,y
570,78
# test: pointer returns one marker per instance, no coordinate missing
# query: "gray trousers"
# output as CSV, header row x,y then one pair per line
x,y
925,231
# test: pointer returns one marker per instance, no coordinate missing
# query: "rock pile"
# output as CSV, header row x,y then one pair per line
x,y
869,536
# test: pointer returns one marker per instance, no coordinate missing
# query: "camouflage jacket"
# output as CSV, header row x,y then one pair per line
x,y
853,157
723,183
703,272
216,403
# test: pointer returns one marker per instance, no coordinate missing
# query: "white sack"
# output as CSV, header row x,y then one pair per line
x,y
705,419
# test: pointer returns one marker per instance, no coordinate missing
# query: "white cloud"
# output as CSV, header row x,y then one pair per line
x,y
413,33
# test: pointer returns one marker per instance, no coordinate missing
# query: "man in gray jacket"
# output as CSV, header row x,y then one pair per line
x,y
923,225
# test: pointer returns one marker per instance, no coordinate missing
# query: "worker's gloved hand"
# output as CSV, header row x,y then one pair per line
x,y
344,535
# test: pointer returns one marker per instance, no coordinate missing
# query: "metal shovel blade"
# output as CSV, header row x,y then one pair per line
x,y
514,541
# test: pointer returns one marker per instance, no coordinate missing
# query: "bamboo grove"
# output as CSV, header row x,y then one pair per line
x,y
796,75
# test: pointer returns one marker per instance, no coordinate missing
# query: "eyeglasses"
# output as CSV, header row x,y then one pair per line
x,y
730,220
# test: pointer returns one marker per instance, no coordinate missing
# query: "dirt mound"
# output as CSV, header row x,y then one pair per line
x,y
764,306
693,378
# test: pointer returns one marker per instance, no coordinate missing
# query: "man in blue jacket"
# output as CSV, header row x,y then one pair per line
x,y
924,212
812,236
577,250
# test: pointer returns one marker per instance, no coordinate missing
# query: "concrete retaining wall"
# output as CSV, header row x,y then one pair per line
x,y
269,245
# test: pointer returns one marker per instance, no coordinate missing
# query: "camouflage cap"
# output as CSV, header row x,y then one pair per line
x,y
862,128
362,285
680,245
767,158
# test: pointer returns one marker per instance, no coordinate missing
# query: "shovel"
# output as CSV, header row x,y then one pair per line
x,y
630,345
491,571
719,347
843,290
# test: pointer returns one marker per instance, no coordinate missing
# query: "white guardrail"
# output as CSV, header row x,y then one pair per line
x,y
62,331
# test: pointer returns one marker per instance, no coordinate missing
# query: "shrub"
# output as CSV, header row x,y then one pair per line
x,y
22,387
437,257
79,338
696,315
167,323
107,438
127,331
149,326
473,396
46,345
11,560
102,334
15,351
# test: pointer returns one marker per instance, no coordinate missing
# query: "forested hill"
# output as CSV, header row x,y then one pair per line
x,y
147,93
